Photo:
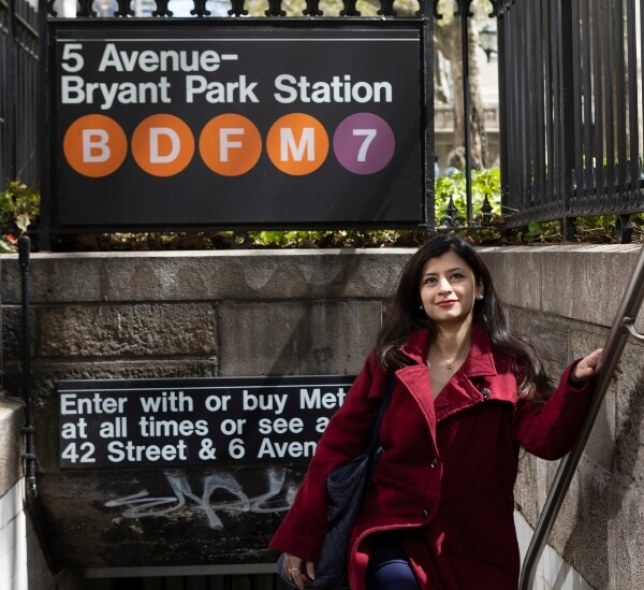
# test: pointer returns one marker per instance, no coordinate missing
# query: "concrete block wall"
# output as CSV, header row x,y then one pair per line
x,y
552,572
102,316
22,563
565,299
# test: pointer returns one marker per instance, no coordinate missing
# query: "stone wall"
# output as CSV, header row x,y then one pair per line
x,y
22,563
245,313
565,299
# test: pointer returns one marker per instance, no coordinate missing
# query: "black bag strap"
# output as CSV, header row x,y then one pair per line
x,y
374,434
373,448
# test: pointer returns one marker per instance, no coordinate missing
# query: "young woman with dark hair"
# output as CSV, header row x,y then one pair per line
x,y
468,394
408,314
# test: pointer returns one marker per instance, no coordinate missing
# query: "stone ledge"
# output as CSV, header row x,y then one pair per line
x,y
595,276
11,423
585,283
211,275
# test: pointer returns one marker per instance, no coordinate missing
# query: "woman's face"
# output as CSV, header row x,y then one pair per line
x,y
448,289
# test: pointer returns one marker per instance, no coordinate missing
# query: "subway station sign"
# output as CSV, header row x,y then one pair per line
x,y
170,125
203,421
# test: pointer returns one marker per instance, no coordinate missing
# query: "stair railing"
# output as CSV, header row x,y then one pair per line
x,y
623,327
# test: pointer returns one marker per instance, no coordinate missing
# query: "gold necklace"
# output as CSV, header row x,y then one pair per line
x,y
447,363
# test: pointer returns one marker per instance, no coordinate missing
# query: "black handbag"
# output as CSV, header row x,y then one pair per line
x,y
346,486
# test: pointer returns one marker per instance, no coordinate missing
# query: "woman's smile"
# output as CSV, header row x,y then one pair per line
x,y
448,288
447,302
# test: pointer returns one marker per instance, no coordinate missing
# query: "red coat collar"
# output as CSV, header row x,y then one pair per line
x,y
479,363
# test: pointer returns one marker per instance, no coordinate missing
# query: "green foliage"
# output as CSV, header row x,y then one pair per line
x,y
594,229
19,209
285,238
336,238
486,186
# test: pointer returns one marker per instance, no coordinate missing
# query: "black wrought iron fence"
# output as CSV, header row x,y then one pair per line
x,y
571,104
571,98
20,91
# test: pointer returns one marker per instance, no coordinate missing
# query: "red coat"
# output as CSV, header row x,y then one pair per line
x,y
447,471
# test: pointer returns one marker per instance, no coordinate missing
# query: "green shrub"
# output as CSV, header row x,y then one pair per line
x,y
19,209
486,186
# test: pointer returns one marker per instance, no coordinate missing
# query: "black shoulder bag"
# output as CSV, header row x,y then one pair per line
x,y
346,486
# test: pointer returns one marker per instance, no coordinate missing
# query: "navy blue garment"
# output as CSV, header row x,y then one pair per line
x,y
389,567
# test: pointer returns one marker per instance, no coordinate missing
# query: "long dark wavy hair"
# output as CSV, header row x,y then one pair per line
x,y
406,315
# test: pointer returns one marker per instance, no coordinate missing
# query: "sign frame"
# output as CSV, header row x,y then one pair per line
x,y
70,211
194,422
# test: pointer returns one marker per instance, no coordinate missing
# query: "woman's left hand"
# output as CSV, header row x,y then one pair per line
x,y
299,570
587,367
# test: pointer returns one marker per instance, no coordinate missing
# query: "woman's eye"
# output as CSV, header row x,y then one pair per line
x,y
457,276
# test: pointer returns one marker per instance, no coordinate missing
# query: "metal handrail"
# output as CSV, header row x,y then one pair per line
x,y
622,328
24,251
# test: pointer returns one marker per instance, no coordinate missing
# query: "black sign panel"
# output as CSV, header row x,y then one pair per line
x,y
196,421
169,125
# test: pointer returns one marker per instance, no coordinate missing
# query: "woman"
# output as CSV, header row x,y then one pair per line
x,y
468,394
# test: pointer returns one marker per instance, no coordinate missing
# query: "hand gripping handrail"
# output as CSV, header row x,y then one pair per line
x,y
623,326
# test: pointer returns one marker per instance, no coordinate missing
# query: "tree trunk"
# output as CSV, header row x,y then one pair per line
x,y
448,41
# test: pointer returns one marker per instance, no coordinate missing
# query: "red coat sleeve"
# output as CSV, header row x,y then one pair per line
x,y
302,530
548,429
